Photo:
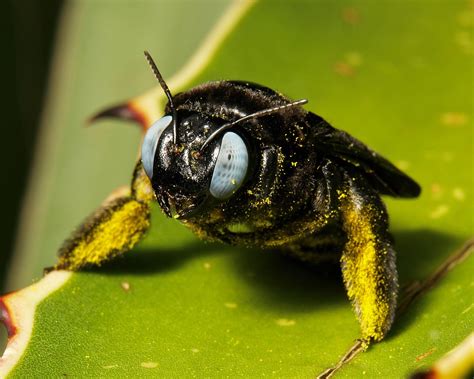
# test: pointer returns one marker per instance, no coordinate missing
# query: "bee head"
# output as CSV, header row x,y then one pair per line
x,y
186,178
195,160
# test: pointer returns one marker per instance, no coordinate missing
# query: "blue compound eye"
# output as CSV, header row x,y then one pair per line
x,y
231,166
150,142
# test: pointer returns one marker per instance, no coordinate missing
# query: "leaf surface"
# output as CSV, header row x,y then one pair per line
x,y
395,75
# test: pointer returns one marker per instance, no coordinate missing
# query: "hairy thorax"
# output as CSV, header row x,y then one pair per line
x,y
276,210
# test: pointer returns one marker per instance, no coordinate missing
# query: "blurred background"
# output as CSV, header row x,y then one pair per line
x,y
28,30
63,61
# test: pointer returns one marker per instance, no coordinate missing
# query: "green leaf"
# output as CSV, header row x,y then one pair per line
x,y
394,74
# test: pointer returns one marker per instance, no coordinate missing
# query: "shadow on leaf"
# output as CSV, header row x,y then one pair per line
x,y
278,281
288,284
145,261
284,283
420,253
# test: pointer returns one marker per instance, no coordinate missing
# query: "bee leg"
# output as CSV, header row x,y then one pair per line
x,y
112,229
368,259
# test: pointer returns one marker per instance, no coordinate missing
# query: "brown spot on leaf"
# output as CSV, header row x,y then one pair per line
x,y
349,64
436,191
454,119
344,69
424,355
350,15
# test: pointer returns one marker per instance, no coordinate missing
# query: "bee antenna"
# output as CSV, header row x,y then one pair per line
x,y
263,112
166,90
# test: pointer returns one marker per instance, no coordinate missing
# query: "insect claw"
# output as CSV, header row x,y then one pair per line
x,y
124,111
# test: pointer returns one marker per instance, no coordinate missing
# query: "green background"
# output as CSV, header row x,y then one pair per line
x,y
397,75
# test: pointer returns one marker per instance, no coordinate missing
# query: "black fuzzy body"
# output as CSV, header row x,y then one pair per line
x,y
305,188
298,168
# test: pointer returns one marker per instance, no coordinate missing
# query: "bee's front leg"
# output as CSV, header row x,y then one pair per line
x,y
368,259
112,229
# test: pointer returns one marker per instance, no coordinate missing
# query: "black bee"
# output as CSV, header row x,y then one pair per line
x,y
240,163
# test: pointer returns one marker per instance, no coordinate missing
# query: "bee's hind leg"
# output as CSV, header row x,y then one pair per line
x,y
112,229
368,259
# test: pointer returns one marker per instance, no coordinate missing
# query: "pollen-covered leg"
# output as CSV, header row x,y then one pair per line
x,y
112,229
368,260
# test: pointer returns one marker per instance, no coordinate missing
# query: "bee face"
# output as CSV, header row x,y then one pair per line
x,y
186,178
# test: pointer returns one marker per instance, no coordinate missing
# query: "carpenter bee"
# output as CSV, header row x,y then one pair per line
x,y
240,163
